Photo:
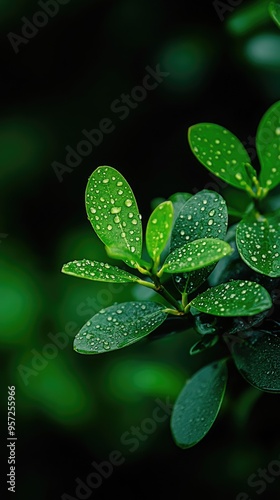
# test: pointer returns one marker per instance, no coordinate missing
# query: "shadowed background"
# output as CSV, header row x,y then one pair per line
x,y
220,64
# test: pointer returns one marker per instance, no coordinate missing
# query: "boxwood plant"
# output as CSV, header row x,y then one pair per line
x,y
220,279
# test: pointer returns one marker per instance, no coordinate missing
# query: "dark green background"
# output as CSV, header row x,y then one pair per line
x,y
75,409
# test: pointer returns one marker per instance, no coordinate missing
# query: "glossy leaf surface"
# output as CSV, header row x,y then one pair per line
x,y
268,147
112,210
159,228
204,215
236,298
119,326
98,271
258,360
198,404
196,255
221,152
258,243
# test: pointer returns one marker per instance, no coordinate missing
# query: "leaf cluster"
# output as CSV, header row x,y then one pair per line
x,y
185,240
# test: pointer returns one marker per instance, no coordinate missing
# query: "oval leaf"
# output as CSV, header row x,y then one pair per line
x,y
221,152
202,216
236,298
118,326
268,147
258,242
159,228
196,255
97,271
112,210
257,359
198,404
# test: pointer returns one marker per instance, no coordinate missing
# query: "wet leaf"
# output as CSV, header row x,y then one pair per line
x,y
159,228
258,360
221,152
196,255
112,210
97,271
258,243
198,404
268,147
202,216
235,298
119,326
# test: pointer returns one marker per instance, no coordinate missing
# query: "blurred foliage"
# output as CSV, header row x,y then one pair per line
x,y
64,80
22,145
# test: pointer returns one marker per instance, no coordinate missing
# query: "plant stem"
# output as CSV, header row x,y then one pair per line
x,y
250,192
155,266
162,291
148,284
174,312
184,300
142,270
187,308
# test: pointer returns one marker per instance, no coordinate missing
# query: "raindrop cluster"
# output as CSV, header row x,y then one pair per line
x,y
113,211
204,215
235,298
221,152
259,244
269,150
98,271
118,326
197,254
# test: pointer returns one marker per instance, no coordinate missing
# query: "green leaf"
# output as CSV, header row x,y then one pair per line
x,y
257,359
98,271
258,242
221,152
268,147
274,11
235,298
196,255
112,210
118,326
159,228
198,404
204,215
